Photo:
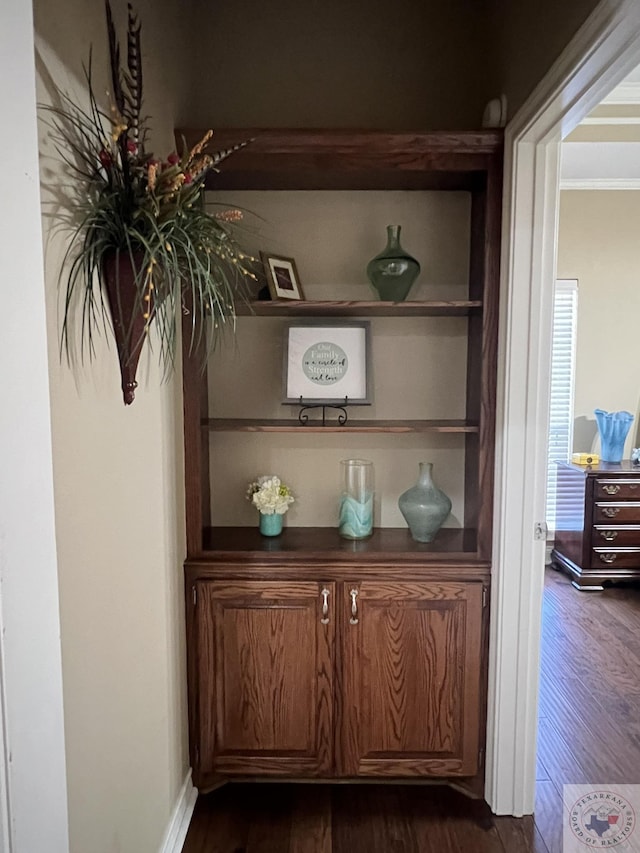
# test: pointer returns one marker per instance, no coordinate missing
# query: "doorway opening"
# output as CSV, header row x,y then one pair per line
x,y
602,53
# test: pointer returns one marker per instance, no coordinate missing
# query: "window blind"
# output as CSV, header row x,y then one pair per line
x,y
563,365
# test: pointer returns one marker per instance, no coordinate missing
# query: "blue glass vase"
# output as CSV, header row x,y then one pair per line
x,y
613,428
271,525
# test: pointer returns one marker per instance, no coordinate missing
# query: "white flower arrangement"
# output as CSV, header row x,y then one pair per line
x,y
270,495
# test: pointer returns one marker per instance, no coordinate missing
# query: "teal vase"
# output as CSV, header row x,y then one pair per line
x,y
425,507
271,525
393,271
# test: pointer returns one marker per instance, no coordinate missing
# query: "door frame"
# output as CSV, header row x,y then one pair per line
x,y
603,51
33,789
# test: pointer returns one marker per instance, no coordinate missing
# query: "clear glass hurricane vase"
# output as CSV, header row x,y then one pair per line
x,y
356,499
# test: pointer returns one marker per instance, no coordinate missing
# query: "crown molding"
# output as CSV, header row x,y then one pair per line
x,y
610,120
600,184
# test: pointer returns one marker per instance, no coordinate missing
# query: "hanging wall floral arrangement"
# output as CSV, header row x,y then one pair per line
x,y
143,250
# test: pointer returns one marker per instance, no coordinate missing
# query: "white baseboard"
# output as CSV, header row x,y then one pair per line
x,y
547,553
180,818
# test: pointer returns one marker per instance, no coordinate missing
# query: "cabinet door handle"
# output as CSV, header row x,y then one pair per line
x,y
611,488
325,606
608,535
610,511
354,607
608,558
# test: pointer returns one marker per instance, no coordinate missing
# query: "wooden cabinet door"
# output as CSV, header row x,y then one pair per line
x,y
411,671
265,666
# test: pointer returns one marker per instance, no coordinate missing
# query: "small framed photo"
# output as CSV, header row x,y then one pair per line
x,y
327,362
282,277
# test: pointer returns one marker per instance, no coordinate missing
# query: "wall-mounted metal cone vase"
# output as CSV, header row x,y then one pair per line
x,y
131,312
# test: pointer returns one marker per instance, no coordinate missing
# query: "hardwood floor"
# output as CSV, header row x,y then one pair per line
x,y
589,732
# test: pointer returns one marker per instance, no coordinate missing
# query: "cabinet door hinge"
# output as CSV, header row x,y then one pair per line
x,y
485,596
480,757
197,755
194,593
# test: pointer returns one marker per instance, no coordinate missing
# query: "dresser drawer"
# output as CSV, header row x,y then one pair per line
x,y
616,511
615,558
604,535
618,489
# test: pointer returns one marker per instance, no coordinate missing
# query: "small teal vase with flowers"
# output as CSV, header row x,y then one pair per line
x,y
272,499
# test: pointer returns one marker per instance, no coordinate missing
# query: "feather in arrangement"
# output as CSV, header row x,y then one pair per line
x,y
133,75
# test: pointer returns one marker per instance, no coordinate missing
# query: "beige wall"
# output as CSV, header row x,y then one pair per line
x,y
367,63
598,245
361,63
526,39
119,506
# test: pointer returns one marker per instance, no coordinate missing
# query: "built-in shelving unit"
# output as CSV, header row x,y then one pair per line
x,y
345,160
311,656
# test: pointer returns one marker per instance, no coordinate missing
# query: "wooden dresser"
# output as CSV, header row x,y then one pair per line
x,y
598,523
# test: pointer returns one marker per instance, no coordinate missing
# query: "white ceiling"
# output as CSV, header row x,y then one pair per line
x,y
600,165
604,150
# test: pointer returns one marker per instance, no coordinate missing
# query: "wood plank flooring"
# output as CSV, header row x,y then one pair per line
x,y
589,732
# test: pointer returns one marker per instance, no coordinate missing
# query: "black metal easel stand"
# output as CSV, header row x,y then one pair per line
x,y
340,408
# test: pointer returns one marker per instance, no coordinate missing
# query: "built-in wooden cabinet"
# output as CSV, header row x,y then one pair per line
x,y
314,656
332,679
265,676
411,663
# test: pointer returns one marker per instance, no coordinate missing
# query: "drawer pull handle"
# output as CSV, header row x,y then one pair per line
x,y
610,511
611,488
325,606
608,558
608,535
354,607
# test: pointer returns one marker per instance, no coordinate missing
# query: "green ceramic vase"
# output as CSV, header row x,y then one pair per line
x,y
393,271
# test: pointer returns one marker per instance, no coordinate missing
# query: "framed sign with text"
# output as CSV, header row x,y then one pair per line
x,y
327,363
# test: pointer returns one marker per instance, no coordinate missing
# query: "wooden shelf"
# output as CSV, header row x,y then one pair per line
x,y
318,544
295,308
311,159
370,426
